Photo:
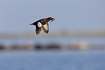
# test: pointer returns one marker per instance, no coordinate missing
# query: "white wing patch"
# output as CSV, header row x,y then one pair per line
x,y
45,26
39,24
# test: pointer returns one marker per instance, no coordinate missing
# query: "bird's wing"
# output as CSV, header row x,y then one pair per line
x,y
46,28
38,29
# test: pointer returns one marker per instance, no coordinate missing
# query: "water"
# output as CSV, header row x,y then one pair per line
x,y
52,60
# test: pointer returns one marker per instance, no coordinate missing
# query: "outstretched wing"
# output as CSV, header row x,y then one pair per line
x,y
46,28
38,29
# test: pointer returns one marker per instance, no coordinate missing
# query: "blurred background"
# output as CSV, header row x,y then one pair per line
x,y
76,39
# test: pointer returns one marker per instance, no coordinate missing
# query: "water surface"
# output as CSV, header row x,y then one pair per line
x,y
52,60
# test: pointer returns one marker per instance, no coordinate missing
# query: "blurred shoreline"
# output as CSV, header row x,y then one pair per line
x,y
55,40
27,34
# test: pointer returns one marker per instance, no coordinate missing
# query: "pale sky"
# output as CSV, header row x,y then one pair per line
x,y
16,15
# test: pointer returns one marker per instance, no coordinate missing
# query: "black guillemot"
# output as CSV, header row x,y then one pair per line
x,y
42,23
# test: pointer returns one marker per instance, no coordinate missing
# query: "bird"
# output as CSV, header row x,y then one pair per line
x,y
42,24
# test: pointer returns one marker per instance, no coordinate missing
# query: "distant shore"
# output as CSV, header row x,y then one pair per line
x,y
92,33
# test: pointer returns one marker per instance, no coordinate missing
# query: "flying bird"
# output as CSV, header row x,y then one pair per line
x,y
42,24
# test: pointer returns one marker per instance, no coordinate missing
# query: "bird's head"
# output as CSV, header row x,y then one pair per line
x,y
50,18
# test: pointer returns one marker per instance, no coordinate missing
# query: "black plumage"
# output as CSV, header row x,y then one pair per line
x,y
42,23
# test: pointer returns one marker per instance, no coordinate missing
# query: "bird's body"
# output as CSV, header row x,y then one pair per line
x,y
42,23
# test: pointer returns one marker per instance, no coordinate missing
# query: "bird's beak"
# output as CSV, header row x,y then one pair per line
x,y
31,24
52,20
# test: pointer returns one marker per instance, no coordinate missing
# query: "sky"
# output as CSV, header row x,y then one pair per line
x,y
16,15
